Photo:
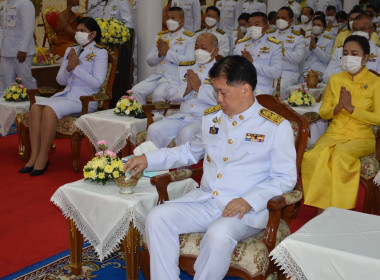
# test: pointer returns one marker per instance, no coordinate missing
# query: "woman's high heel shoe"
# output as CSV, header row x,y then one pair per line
x,y
26,169
37,172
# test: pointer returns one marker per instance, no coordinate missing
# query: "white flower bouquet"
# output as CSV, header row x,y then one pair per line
x,y
301,97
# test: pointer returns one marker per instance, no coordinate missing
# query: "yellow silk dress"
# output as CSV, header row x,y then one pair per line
x,y
331,170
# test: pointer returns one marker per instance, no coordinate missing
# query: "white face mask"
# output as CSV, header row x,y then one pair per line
x,y
172,25
351,64
304,19
351,22
210,21
361,33
243,29
341,25
82,38
330,18
75,9
255,32
281,24
316,30
202,56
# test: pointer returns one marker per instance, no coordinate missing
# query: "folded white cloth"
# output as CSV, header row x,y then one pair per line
x,y
145,147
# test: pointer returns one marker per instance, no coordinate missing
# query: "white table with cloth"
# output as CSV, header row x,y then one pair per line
x,y
116,129
9,110
337,244
105,217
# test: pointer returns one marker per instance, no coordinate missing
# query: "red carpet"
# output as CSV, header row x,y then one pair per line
x,y
32,228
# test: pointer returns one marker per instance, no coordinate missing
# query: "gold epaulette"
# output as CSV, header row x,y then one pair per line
x,y
163,32
188,33
199,30
243,40
274,40
271,116
270,31
187,63
296,32
328,37
212,110
308,36
220,31
99,46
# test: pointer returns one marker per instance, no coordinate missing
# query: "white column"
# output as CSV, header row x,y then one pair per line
x,y
349,4
149,23
275,5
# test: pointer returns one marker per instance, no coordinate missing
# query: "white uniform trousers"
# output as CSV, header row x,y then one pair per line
x,y
165,222
10,68
182,129
156,87
287,79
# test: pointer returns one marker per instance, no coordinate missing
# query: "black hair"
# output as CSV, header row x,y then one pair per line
x,y
322,19
91,25
311,10
331,8
320,14
363,42
236,69
179,10
272,15
341,14
289,10
356,10
244,16
215,9
260,14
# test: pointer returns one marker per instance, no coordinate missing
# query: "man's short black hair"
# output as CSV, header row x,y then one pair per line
x,y
244,16
236,69
331,8
289,10
272,15
260,14
215,9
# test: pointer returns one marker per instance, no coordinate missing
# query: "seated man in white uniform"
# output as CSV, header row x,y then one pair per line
x,y
240,175
192,10
305,26
293,50
212,19
332,24
193,89
361,26
171,47
264,51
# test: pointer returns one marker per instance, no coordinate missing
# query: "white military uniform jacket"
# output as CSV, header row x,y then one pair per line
x,y
223,42
119,9
318,58
267,59
17,19
305,26
245,155
335,65
230,10
88,76
251,6
181,48
195,103
320,5
294,49
192,10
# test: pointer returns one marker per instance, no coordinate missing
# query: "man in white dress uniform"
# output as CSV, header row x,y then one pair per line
x,y
238,137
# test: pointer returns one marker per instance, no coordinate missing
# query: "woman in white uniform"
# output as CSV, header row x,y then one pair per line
x,y
83,71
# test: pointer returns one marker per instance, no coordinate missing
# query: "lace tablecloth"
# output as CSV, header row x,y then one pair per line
x,y
9,110
103,215
337,244
106,125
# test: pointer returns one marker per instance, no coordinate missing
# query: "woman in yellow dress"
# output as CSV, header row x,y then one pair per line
x,y
331,170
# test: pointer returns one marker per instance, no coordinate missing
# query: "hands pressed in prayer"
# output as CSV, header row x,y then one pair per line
x,y
162,47
193,82
344,101
313,43
73,60
236,206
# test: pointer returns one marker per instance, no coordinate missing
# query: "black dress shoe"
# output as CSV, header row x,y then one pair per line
x,y
26,169
38,172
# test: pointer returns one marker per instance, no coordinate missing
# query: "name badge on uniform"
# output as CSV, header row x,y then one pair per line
x,y
251,137
214,130
90,57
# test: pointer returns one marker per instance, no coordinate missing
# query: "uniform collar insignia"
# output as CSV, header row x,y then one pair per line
x,y
291,37
214,130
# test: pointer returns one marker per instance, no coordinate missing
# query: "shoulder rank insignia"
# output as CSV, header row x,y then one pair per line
x,y
212,110
187,63
199,30
163,32
271,116
328,37
308,36
274,40
270,31
188,33
99,46
220,31
243,40
296,32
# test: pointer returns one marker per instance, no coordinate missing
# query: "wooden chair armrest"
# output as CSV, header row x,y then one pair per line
x,y
86,99
161,105
32,95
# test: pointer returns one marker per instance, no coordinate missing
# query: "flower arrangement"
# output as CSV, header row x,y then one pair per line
x,y
114,32
16,92
301,97
105,166
128,105
43,57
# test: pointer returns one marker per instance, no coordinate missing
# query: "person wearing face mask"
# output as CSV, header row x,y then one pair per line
x,y
296,8
305,25
272,16
212,19
192,13
342,20
318,46
193,89
251,6
263,51
17,48
293,49
66,27
331,170
171,47
83,71
241,31
332,25
230,11
361,26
